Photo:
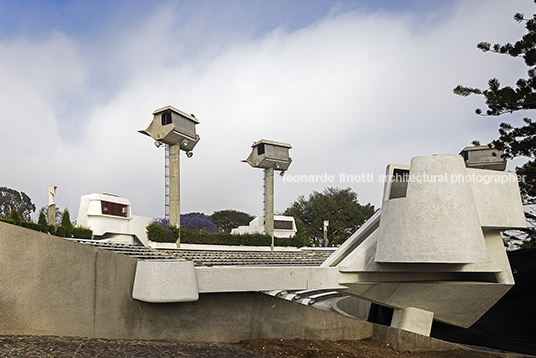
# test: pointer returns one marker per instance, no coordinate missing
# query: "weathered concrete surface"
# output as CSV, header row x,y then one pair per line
x,y
437,246
413,319
52,286
46,284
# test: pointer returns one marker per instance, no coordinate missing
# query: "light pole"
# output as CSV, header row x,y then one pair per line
x,y
326,224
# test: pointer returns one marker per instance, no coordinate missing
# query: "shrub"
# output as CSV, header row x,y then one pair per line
x,y
66,224
42,222
15,216
170,235
282,242
297,240
189,236
51,229
61,231
82,233
155,232
175,231
221,238
30,225
6,220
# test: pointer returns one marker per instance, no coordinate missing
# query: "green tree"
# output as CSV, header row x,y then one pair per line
x,y
66,224
226,220
515,141
42,222
15,216
11,199
339,206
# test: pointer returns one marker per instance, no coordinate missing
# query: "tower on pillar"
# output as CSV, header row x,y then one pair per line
x,y
270,156
176,129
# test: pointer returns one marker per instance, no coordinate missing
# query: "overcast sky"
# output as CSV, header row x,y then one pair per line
x,y
351,85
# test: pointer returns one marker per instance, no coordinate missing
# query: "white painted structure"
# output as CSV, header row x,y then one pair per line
x,y
284,227
110,217
433,252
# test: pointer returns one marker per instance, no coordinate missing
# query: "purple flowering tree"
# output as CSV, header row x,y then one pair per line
x,y
162,222
198,222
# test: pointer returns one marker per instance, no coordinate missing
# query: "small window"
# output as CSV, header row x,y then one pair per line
x,y
114,209
260,149
166,118
283,225
399,184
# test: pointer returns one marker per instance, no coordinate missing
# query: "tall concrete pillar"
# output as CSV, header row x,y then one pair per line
x,y
269,203
51,214
174,187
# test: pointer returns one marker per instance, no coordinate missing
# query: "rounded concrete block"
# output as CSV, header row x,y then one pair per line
x,y
161,281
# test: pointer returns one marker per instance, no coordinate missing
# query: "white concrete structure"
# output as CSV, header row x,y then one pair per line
x,y
284,227
110,217
433,252
436,244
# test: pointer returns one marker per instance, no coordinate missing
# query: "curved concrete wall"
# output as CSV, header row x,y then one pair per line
x,y
437,221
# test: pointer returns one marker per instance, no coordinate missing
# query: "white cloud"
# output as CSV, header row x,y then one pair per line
x,y
351,92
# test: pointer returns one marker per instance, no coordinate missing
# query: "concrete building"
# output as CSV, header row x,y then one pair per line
x,y
284,227
433,252
110,217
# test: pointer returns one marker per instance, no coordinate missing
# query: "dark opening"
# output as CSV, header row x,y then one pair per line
x,y
115,209
283,225
166,118
399,183
260,149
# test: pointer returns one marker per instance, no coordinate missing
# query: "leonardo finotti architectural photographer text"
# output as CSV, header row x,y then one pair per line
x,y
421,178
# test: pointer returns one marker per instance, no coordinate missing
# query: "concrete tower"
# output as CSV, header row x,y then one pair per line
x,y
270,156
176,129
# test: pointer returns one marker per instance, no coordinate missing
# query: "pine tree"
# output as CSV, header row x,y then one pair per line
x,y
42,222
515,141
66,224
